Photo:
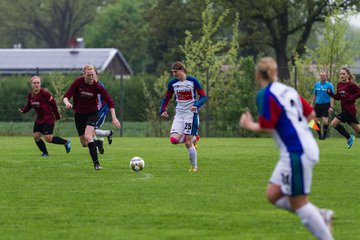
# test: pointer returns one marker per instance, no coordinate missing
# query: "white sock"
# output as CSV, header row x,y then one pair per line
x,y
102,133
182,139
284,203
312,220
193,156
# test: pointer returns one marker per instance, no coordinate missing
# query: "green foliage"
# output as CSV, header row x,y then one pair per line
x,y
16,88
304,76
201,55
278,27
134,99
168,20
62,197
48,23
122,26
60,84
335,51
234,89
14,91
153,95
215,61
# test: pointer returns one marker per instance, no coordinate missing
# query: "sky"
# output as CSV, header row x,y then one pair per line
x,y
355,20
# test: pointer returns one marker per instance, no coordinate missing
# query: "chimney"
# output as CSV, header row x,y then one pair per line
x,y
17,45
80,43
76,43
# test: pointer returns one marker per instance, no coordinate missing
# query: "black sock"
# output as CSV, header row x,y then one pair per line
x,y
58,140
319,126
97,142
93,152
342,131
41,145
325,128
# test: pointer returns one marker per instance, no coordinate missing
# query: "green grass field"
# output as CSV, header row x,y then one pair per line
x,y
62,197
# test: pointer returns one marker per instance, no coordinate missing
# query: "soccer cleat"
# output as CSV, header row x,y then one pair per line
x,y
328,216
194,169
109,138
350,141
45,155
97,166
101,146
68,146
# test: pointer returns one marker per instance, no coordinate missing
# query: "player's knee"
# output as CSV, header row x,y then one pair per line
x,y
48,139
88,138
174,140
272,195
37,138
83,142
271,199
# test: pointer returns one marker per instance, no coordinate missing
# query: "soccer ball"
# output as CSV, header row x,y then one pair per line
x,y
137,164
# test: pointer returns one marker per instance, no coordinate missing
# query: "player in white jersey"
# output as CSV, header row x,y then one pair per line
x,y
285,114
186,121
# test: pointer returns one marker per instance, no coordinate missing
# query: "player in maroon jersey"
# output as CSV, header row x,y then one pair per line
x,y
84,91
347,93
47,113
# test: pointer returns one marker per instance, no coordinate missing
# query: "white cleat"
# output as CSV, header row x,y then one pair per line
x,y
328,216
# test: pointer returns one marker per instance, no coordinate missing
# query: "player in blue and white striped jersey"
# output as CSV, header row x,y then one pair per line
x,y
186,120
103,109
285,114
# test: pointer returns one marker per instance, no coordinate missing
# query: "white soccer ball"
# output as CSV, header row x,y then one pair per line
x,y
137,164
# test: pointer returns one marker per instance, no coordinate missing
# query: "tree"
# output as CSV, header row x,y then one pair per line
x,y
228,79
168,20
335,50
121,26
277,23
50,23
153,95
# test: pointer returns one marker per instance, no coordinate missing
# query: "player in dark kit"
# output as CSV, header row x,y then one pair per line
x,y
347,93
84,91
47,113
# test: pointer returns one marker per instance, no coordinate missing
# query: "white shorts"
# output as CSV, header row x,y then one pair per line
x,y
293,173
187,124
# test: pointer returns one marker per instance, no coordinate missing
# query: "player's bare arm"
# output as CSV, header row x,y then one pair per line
x,y
68,105
247,122
115,121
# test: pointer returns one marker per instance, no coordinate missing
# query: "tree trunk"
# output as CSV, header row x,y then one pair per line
x,y
282,61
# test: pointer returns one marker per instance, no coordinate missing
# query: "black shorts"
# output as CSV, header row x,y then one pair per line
x,y
83,120
322,110
45,129
345,116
